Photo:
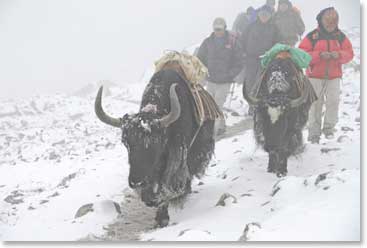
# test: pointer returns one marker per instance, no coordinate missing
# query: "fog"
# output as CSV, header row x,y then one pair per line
x,y
59,46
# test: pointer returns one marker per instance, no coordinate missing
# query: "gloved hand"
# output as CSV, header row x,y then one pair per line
x,y
335,55
325,55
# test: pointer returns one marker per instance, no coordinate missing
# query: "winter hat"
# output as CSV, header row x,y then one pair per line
x,y
265,8
286,2
219,23
250,10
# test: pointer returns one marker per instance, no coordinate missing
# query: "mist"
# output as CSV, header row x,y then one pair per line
x,y
48,47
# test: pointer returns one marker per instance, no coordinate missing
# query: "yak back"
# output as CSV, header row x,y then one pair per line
x,y
157,94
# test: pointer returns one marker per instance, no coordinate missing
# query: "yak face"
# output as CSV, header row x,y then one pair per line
x,y
146,142
279,87
144,135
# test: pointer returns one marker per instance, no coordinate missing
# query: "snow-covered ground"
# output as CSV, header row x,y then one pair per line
x,y
56,158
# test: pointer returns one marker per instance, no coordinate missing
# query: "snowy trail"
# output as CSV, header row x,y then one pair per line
x,y
136,217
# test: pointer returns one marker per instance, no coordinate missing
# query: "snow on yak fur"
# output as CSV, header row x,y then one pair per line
x,y
282,103
157,138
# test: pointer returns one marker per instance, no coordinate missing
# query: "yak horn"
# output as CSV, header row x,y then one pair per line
x,y
300,100
115,122
175,112
251,100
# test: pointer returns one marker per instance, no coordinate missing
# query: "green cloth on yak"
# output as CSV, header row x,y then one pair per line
x,y
299,57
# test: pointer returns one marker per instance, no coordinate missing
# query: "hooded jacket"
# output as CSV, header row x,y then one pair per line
x,y
289,24
318,41
222,57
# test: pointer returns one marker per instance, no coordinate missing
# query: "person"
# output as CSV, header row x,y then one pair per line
x,y
239,26
221,54
289,23
269,3
258,38
243,20
330,49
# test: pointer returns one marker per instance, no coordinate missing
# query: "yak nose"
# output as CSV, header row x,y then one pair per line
x,y
136,184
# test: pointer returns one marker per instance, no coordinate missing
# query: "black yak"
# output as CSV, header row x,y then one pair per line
x,y
282,102
166,147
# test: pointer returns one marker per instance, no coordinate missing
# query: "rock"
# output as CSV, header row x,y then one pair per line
x,y
243,195
54,194
15,198
347,129
251,227
275,191
224,197
265,203
327,150
83,210
200,183
31,208
320,178
183,232
43,201
234,179
65,180
53,156
358,119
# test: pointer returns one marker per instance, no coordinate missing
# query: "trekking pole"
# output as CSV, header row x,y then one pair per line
x,y
233,86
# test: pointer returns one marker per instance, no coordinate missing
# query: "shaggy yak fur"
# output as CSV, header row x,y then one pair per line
x,y
280,115
158,138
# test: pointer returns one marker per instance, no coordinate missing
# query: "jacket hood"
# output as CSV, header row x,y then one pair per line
x,y
319,19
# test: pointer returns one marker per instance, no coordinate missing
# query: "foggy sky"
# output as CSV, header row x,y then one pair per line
x,y
58,46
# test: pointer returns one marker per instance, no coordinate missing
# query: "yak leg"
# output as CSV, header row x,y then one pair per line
x,y
282,164
162,217
272,161
278,161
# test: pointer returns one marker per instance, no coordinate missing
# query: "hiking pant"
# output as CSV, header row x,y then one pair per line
x,y
252,74
219,92
328,93
240,77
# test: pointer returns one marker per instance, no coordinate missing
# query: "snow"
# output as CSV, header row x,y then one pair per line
x,y
55,156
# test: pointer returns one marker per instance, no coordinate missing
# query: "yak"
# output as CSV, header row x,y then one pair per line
x,y
281,101
166,146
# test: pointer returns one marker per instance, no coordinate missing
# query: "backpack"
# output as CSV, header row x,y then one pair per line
x,y
232,39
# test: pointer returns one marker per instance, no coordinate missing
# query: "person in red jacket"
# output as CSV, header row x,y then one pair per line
x,y
330,49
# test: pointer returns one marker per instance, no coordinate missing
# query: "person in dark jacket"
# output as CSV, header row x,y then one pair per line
x,y
269,3
330,49
243,20
289,23
221,54
239,26
258,38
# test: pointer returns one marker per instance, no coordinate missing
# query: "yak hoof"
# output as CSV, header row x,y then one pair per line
x,y
162,217
281,174
162,223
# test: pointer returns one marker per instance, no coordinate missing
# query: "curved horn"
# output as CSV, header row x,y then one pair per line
x,y
302,99
251,100
115,122
175,112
